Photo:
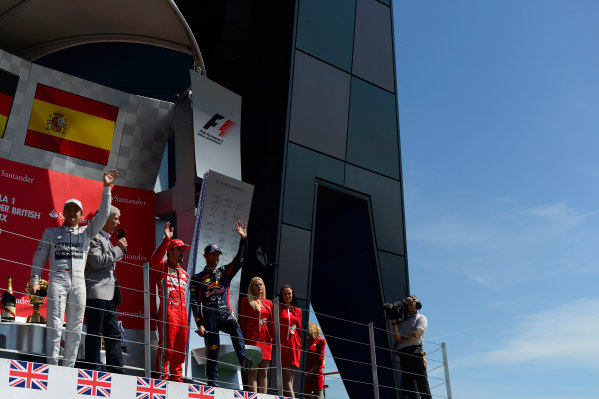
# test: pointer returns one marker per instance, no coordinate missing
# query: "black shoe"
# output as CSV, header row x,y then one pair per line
x,y
246,367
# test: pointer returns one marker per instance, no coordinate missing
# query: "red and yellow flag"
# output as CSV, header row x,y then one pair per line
x,y
72,125
8,87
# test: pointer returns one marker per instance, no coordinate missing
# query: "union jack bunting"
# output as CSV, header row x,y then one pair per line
x,y
28,375
149,388
245,395
200,392
94,383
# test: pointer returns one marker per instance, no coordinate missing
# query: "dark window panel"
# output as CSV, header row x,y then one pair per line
x,y
320,106
303,167
372,141
387,206
294,259
393,276
373,46
326,30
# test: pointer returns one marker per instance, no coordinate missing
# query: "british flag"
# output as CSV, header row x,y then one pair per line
x,y
200,392
94,383
245,395
149,388
28,375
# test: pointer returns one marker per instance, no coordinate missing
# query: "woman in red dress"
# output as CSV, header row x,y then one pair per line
x,y
290,317
256,319
314,363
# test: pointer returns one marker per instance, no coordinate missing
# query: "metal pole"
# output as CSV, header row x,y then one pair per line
x,y
278,346
147,344
375,378
446,367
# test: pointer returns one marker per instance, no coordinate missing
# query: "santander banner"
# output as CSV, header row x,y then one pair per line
x,y
32,199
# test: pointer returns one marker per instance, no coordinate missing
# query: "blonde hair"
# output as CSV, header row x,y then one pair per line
x,y
251,297
313,330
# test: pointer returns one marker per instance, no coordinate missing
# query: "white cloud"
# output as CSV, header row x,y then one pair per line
x,y
474,389
503,242
500,200
566,334
477,278
453,232
560,215
441,227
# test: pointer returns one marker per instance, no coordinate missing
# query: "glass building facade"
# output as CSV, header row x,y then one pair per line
x,y
320,142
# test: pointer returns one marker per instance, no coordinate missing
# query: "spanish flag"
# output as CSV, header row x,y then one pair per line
x,y
8,88
72,125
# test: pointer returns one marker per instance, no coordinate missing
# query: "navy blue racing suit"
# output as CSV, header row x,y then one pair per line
x,y
209,299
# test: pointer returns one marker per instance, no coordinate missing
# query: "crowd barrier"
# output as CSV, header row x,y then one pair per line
x,y
436,354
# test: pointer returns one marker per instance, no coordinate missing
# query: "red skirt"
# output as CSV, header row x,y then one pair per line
x,y
290,356
314,382
266,348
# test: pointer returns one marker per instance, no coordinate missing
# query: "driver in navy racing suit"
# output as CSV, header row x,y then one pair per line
x,y
209,298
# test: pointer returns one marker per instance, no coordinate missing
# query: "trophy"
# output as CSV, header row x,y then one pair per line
x,y
36,301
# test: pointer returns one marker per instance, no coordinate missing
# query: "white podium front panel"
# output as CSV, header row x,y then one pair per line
x,y
29,380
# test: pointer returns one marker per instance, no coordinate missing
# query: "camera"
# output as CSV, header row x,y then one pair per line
x,y
397,310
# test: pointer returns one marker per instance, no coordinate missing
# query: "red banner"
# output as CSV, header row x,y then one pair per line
x,y
32,199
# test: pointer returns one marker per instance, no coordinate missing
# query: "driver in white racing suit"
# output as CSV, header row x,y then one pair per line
x,y
66,248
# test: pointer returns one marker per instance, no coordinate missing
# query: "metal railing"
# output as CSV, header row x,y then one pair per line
x,y
371,368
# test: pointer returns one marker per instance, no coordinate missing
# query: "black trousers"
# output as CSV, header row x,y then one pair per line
x,y
413,373
101,321
214,322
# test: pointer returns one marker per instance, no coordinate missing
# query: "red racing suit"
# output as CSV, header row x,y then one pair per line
x,y
172,314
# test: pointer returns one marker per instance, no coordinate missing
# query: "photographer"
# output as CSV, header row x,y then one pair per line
x,y
409,335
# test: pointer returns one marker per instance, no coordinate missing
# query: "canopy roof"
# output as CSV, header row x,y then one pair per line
x,y
32,29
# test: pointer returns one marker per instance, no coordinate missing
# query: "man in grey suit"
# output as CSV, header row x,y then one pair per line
x,y
103,296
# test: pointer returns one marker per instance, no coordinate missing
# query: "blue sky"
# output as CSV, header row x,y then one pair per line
x,y
499,116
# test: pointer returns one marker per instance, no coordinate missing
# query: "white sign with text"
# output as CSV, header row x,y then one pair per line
x,y
216,125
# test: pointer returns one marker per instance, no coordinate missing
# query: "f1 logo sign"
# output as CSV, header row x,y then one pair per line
x,y
224,129
212,121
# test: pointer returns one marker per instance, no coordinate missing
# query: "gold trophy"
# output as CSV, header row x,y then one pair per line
x,y
36,301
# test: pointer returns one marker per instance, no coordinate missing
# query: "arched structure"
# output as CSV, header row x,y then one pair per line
x,y
32,29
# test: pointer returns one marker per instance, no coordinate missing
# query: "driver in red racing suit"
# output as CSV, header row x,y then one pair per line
x,y
171,279
209,298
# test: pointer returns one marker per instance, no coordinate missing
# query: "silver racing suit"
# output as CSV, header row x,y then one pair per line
x,y
66,248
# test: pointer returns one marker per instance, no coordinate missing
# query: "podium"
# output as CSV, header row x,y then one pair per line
x,y
23,341
229,372
27,341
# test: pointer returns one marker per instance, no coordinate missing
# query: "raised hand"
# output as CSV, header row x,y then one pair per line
x,y
168,231
110,177
241,229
